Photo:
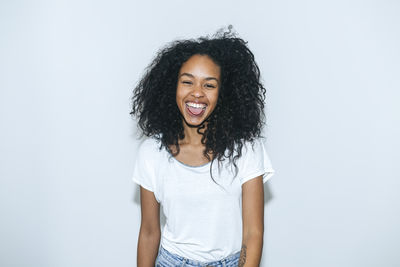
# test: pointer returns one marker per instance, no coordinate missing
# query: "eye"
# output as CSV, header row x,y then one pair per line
x,y
187,82
210,86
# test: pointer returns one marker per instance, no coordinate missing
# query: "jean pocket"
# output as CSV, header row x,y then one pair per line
x,y
165,262
233,263
157,260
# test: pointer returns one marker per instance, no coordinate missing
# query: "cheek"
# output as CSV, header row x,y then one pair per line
x,y
179,101
213,98
179,96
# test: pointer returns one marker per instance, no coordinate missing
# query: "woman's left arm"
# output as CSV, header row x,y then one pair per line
x,y
253,222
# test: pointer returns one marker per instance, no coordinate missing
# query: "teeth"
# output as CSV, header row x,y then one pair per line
x,y
203,106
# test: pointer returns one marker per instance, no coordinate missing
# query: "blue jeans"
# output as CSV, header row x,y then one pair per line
x,y
168,259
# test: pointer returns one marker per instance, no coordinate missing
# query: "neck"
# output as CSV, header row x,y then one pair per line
x,y
192,137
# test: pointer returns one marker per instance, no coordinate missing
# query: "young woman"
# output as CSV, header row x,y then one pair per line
x,y
201,107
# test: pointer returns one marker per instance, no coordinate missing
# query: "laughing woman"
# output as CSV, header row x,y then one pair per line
x,y
200,106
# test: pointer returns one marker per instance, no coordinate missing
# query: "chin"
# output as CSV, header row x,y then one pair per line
x,y
193,123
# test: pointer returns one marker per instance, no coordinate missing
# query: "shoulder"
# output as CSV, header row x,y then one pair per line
x,y
254,147
149,145
254,160
149,149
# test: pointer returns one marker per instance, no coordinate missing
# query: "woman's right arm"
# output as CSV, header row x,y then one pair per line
x,y
150,232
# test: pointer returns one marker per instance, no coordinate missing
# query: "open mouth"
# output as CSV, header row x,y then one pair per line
x,y
195,109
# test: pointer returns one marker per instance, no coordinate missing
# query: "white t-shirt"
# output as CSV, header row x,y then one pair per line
x,y
203,221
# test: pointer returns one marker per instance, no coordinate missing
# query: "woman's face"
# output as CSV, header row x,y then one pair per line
x,y
197,89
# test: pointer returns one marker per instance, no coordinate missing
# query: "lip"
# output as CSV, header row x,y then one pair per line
x,y
196,102
194,115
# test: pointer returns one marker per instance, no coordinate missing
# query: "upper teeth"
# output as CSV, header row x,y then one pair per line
x,y
195,105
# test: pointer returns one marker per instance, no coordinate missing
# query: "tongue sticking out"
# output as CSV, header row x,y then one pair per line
x,y
195,111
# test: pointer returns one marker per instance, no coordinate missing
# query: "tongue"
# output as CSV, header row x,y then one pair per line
x,y
195,111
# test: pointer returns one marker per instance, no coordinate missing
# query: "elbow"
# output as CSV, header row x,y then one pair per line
x,y
253,235
150,231
253,232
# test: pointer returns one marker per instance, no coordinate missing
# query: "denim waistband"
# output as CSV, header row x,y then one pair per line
x,y
174,257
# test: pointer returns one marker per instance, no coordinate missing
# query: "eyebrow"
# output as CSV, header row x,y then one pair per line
x,y
191,75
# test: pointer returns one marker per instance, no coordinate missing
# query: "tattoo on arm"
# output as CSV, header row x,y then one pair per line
x,y
242,259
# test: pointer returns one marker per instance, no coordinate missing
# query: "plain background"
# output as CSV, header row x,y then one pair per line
x,y
67,142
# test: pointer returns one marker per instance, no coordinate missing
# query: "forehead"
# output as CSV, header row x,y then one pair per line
x,y
200,65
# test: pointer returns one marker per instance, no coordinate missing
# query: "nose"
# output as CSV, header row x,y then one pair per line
x,y
197,91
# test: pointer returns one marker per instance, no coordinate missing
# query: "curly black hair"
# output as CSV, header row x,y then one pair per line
x,y
239,113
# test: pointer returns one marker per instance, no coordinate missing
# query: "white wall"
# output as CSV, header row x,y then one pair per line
x,y
67,142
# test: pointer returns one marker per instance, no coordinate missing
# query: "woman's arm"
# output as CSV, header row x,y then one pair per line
x,y
253,222
150,232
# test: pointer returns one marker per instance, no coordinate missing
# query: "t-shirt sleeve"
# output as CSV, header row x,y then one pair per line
x,y
143,167
255,162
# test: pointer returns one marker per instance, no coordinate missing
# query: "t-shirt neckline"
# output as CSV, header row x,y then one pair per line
x,y
200,167
190,166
